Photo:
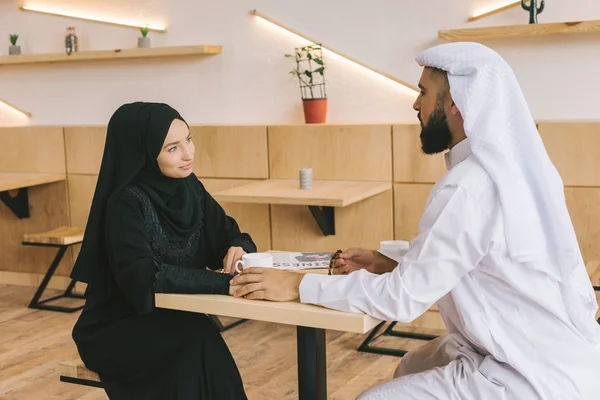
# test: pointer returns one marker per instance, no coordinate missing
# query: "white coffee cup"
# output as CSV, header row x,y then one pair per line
x,y
394,249
254,260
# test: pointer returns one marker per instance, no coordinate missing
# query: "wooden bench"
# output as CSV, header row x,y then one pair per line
x,y
74,371
60,238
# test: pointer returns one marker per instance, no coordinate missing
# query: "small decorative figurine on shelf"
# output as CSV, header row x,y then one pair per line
x,y
14,49
533,10
144,41
71,44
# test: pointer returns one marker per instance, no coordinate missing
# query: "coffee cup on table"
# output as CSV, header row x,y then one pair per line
x,y
264,260
394,249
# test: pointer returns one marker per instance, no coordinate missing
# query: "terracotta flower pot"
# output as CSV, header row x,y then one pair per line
x,y
315,110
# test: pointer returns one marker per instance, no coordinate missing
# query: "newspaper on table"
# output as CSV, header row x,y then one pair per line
x,y
299,261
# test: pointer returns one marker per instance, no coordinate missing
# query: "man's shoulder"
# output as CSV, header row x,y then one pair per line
x,y
470,176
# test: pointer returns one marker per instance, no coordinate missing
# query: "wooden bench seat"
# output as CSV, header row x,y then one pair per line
x,y
65,235
74,371
61,238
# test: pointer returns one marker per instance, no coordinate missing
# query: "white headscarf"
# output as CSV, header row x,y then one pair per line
x,y
504,139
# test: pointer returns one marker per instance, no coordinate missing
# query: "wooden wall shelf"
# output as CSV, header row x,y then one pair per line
x,y
517,31
119,54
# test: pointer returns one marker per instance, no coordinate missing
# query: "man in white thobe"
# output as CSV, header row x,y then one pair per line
x,y
496,251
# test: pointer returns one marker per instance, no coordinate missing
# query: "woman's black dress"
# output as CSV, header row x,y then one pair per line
x,y
139,351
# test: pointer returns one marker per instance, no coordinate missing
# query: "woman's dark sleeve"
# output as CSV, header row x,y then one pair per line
x,y
134,268
222,232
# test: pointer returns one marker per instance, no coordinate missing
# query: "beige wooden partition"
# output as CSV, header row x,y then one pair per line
x,y
230,156
32,149
225,157
414,176
572,147
334,152
575,151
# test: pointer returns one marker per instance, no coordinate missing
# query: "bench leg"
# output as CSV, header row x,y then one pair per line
x,y
41,305
366,346
79,381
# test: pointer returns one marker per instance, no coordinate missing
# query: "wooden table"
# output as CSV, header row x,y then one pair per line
x,y
14,185
321,199
310,321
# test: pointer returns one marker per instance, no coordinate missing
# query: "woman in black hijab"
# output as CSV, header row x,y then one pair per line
x,y
154,228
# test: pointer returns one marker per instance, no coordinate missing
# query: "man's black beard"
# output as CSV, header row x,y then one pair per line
x,y
435,135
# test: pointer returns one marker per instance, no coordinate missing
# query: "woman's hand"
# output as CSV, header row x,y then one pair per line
x,y
233,255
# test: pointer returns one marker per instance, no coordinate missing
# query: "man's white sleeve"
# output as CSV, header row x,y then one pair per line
x,y
451,242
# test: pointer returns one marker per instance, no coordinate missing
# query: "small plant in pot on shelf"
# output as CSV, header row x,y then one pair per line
x,y
144,41
14,49
310,71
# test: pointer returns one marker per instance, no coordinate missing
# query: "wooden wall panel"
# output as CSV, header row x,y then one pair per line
x,y
363,224
574,148
221,151
81,193
593,269
409,205
48,209
583,205
252,218
32,149
84,148
584,208
410,163
334,152
230,151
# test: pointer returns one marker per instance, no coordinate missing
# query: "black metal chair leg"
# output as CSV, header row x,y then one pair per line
x,y
367,347
40,290
41,305
220,326
69,292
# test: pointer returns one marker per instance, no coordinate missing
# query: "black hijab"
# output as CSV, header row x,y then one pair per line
x,y
135,137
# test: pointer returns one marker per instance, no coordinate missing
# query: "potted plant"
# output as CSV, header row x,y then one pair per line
x,y
310,71
144,41
14,49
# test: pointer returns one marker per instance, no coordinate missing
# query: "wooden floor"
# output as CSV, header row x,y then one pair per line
x,y
32,343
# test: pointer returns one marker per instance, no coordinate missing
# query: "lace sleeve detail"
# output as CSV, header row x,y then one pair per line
x,y
173,279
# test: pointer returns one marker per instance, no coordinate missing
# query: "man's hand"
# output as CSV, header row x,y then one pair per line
x,y
354,259
267,284
233,255
233,289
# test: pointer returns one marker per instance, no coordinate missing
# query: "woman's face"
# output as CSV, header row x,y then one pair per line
x,y
177,155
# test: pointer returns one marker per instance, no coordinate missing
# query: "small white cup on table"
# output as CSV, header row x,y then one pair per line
x,y
264,260
394,249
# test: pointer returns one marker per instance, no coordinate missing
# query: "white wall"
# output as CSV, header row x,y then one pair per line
x,y
249,81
